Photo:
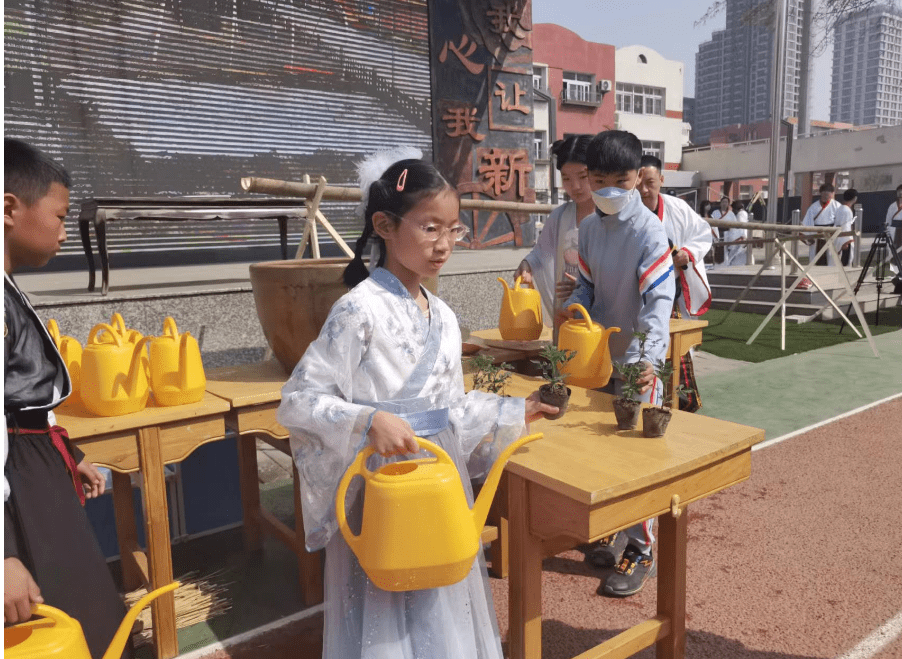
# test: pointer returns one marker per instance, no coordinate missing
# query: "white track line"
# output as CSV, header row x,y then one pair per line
x,y
777,440
877,641
208,650
891,629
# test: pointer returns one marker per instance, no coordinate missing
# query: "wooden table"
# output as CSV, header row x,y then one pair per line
x,y
146,441
253,392
585,480
99,211
684,335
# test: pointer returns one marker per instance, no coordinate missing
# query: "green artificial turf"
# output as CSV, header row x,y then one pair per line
x,y
726,335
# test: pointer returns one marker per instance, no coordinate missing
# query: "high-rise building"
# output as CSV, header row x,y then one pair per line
x,y
867,67
733,70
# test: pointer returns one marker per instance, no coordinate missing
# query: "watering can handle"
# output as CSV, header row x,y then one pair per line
x,y
118,322
437,450
49,612
519,280
169,327
576,306
54,330
356,468
183,361
99,328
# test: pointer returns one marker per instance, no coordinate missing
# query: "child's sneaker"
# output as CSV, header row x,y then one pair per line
x,y
631,574
607,552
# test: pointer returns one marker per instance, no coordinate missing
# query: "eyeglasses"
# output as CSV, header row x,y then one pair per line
x,y
432,232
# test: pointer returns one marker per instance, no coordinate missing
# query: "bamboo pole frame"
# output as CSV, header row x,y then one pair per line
x,y
830,234
343,193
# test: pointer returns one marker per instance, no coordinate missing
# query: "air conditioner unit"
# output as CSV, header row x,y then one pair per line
x,y
604,86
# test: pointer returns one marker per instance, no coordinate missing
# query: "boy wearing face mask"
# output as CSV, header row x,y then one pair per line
x,y
625,280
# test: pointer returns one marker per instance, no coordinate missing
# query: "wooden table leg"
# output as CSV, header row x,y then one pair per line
x,y
84,228
310,565
126,530
250,491
676,347
498,518
525,583
100,231
159,549
672,535
283,235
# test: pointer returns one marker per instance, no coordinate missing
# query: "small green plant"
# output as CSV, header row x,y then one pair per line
x,y
488,377
632,372
552,360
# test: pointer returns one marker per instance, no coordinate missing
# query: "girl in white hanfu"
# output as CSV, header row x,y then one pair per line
x,y
385,369
553,264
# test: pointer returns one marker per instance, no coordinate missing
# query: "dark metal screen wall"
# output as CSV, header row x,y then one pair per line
x,y
150,97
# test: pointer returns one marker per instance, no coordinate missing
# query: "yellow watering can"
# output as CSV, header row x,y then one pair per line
x,y
70,349
176,368
113,373
60,636
591,366
418,530
521,313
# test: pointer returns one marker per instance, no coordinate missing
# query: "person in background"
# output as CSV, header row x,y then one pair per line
x,y
736,253
625,280
845,218
723,212
553,264
821,213
50,552
689,237
715,255
894,214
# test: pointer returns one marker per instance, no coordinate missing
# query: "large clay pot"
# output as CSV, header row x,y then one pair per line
x,y
293,300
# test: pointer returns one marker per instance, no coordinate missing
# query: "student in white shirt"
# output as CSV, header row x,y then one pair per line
x,y
821,213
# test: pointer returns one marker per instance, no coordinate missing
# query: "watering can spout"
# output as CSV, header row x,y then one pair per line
x,y
504,283
117,645
484,501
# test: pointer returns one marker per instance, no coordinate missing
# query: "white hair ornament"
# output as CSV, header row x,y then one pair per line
x,y
374,166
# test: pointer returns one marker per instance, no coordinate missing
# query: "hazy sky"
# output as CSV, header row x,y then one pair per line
x,y
665,25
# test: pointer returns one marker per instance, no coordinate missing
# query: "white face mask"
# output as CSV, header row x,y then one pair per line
x,y
611,201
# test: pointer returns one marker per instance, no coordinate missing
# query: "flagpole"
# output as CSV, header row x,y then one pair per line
x,y
777,91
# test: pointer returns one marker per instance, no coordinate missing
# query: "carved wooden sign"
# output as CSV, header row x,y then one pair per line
x,y
483,131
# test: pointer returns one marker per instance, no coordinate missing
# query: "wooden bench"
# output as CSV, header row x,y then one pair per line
x,y
99,211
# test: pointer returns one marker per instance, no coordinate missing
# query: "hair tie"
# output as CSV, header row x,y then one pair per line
x,y
402,181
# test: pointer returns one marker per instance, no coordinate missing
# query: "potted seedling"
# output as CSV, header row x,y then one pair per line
x,y
488,377
656,417
627,405
554,392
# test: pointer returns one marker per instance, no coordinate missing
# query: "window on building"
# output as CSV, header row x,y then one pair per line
x,y
640,99
655,149
579,86
540,77
540,145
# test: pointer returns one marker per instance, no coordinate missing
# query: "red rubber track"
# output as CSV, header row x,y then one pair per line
x,y
801,561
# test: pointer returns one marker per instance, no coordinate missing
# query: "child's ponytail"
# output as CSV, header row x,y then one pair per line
x,y
400,187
